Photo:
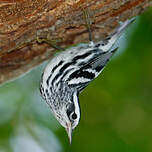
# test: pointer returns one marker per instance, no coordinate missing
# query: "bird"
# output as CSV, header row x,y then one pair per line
x,y
71,71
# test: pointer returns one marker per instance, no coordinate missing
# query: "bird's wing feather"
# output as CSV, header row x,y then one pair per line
x,y
94,67
99,62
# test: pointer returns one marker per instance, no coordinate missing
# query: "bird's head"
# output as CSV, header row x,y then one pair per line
x,y
68,113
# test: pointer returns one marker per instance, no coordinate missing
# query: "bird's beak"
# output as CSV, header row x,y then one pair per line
x,y
69,132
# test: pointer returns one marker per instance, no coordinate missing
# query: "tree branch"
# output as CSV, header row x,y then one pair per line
x,y
22,22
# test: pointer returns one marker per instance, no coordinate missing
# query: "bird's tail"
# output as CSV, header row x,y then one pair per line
x,y
124,25
110,40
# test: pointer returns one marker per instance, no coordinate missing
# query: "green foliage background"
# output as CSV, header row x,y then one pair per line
x,y
116,108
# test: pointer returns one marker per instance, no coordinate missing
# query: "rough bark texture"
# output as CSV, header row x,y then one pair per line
x,y
23,21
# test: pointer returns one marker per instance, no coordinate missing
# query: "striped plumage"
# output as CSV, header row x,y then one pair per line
x,y
68,73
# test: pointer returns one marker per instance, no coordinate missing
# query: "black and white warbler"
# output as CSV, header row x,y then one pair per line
x,y
68,73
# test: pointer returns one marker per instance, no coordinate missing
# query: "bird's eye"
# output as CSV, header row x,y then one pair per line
x,y
73,116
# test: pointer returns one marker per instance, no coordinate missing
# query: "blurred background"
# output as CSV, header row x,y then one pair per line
x,y
116,108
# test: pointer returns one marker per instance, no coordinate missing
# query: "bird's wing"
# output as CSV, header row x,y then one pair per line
x,y
85,74
99,61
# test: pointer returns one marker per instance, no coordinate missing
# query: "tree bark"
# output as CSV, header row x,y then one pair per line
x,y
24,22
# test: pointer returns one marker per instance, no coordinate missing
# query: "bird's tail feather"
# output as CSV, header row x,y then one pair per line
x,y
124,26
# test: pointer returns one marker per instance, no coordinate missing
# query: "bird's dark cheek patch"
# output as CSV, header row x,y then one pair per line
x,y
70,109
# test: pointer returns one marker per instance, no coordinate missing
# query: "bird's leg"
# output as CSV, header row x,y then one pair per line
x,y
88,23
50,42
